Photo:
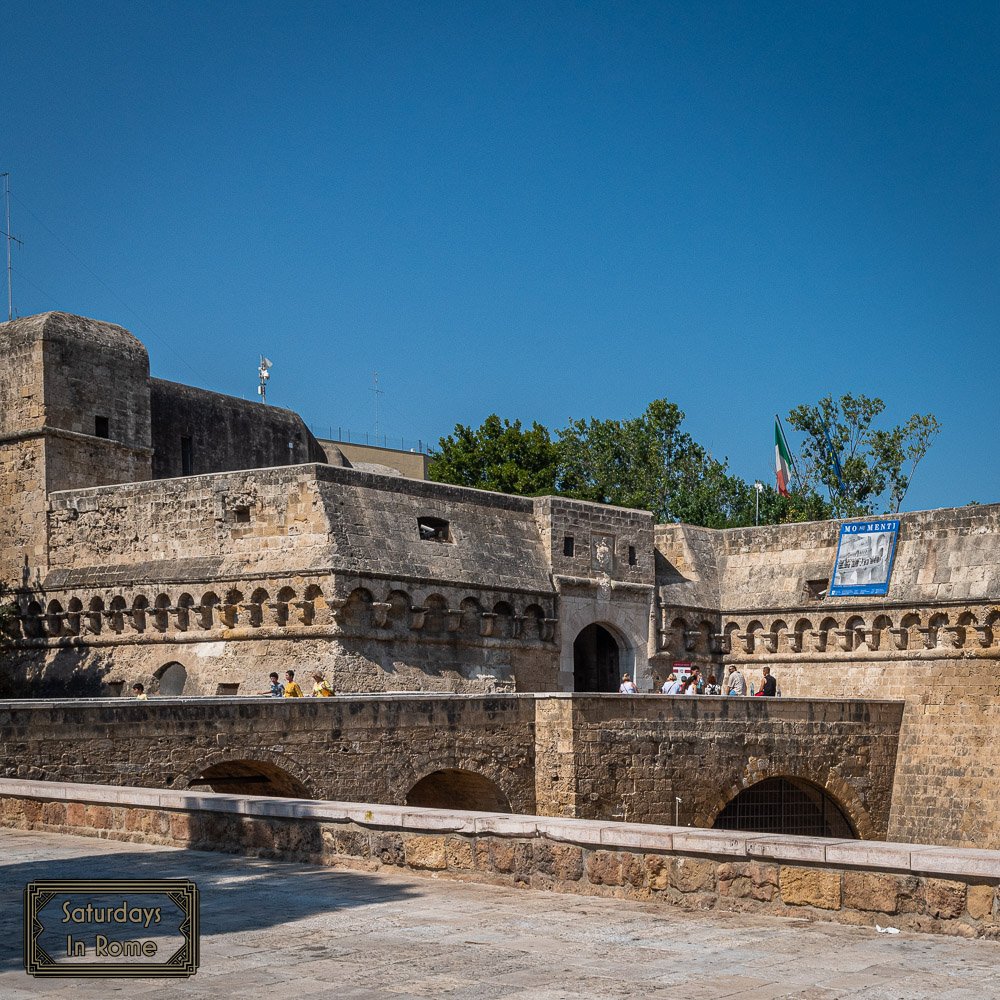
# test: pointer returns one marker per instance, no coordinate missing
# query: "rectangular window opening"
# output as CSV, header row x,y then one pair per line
x,y
187,456
102,427
114,688
242,515
568,545
227,689
632,560
433,529
816,589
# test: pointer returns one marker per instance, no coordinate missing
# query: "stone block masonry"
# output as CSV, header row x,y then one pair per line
x,y
165,534
592,756
907,886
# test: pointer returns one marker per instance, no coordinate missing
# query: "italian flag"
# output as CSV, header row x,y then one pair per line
x,y
782,459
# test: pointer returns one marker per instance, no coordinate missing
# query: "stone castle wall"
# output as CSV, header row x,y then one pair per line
x,y
933,641
592,756
385,583
223,433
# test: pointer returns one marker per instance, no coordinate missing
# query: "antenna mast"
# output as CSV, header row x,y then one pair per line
x,y
10,238
263,373
376,392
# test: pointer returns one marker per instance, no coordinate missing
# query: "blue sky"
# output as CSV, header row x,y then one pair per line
x,y
544,210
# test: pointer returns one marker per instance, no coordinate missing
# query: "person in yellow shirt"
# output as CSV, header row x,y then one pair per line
x,y
139,692
321,689
292,690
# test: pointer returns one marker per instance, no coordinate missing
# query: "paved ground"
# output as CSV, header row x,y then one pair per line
x,y
284,931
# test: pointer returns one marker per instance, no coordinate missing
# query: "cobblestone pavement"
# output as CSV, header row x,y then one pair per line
x,y
280,931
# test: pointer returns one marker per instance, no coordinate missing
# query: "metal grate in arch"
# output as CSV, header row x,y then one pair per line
x,y
784,805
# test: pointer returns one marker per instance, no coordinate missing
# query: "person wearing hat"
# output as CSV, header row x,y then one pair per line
x,y
627,686
321,689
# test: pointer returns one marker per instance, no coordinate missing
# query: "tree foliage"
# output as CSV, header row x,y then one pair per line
x,y
864,468
651,463
647,462
500,456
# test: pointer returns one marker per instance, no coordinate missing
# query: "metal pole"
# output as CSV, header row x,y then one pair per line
x,y
677,811
10,290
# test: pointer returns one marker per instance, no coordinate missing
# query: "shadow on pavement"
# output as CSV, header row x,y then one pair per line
x,y
238,894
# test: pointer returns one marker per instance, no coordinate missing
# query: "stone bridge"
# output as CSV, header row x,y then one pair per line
x,y
778,765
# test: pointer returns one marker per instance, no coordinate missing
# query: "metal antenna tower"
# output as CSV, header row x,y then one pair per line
x,y
376,392
10,238
263,375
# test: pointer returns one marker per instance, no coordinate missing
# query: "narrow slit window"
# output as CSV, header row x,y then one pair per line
x,y
568,545
102,427
187,456
632,560
433,529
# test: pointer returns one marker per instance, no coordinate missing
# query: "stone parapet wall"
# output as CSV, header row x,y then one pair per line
x,y
223,433
592,756
950,555
352,748
907,886
635,756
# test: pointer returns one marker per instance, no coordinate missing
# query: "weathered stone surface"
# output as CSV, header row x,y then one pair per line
x,y
459,853
944,898
868,891
425,852
980,901
564,862
689,875
809,887
748,880
207,822
604,868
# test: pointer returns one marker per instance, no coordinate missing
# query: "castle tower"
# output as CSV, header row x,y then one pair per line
x,y
74,412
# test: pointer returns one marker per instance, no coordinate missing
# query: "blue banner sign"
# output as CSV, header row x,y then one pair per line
x,y
864,559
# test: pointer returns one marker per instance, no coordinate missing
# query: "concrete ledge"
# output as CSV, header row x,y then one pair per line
x,y
914,887
922,859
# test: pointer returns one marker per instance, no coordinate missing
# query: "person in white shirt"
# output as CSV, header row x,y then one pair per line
x,y
671,685
627,686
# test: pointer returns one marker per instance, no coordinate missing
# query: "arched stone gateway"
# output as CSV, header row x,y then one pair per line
x,y
250,777
457,789
786,805
597,660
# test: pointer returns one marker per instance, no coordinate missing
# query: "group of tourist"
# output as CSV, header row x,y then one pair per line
x,y
734,685
290,688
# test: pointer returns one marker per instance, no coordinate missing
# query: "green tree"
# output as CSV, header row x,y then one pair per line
x,y
650,463
498,455
876,465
